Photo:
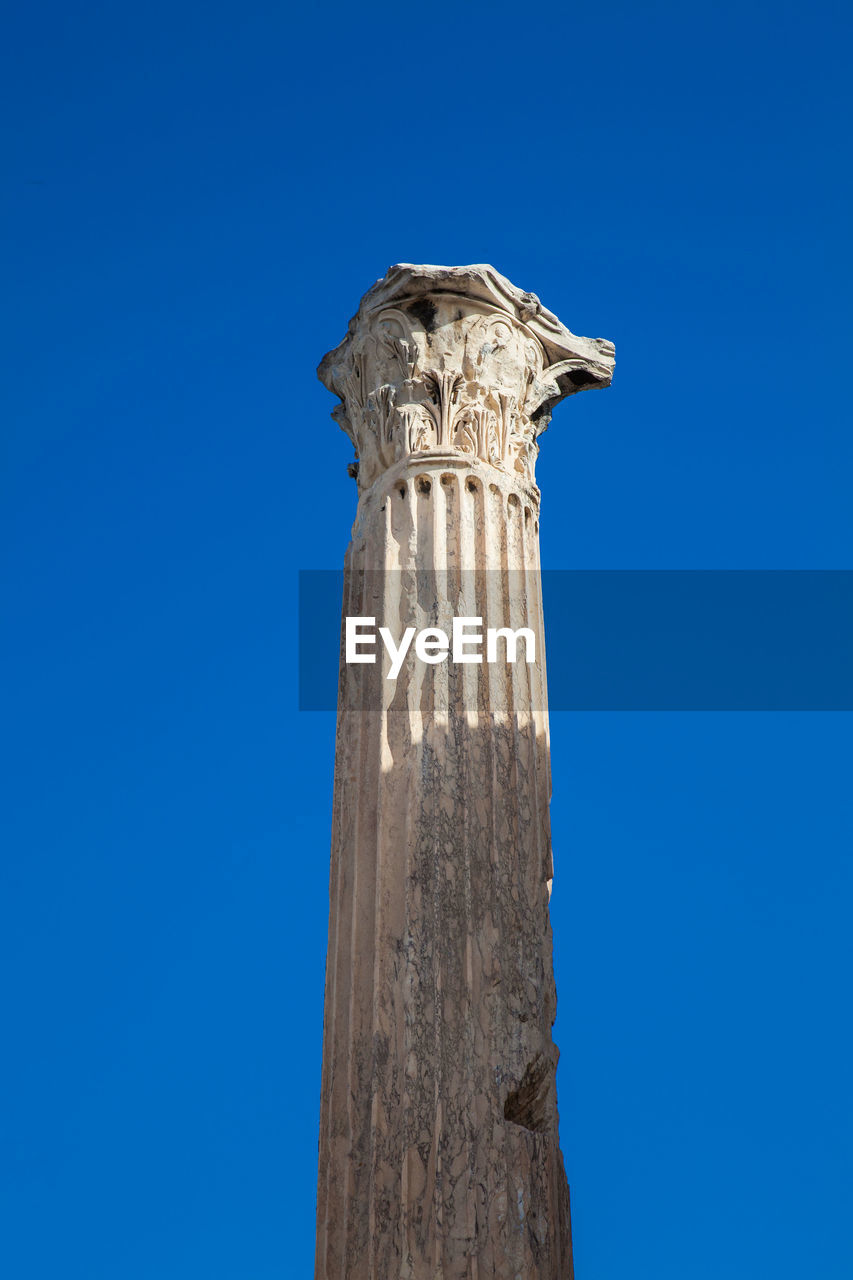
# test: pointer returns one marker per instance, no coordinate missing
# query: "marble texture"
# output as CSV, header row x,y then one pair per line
x,y
439,1150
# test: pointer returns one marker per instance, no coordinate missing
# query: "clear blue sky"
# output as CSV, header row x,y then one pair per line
x,y
193,200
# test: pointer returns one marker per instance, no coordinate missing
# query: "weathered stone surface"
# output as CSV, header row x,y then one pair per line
x,y
439,1151
455,359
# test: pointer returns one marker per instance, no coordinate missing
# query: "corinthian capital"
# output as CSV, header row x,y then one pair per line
x,y
449,361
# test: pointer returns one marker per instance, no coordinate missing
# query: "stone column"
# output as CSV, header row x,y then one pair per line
x,y
439,1150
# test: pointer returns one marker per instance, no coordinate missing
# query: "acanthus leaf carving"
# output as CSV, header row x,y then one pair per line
x,y
443,389
418,429
448,372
